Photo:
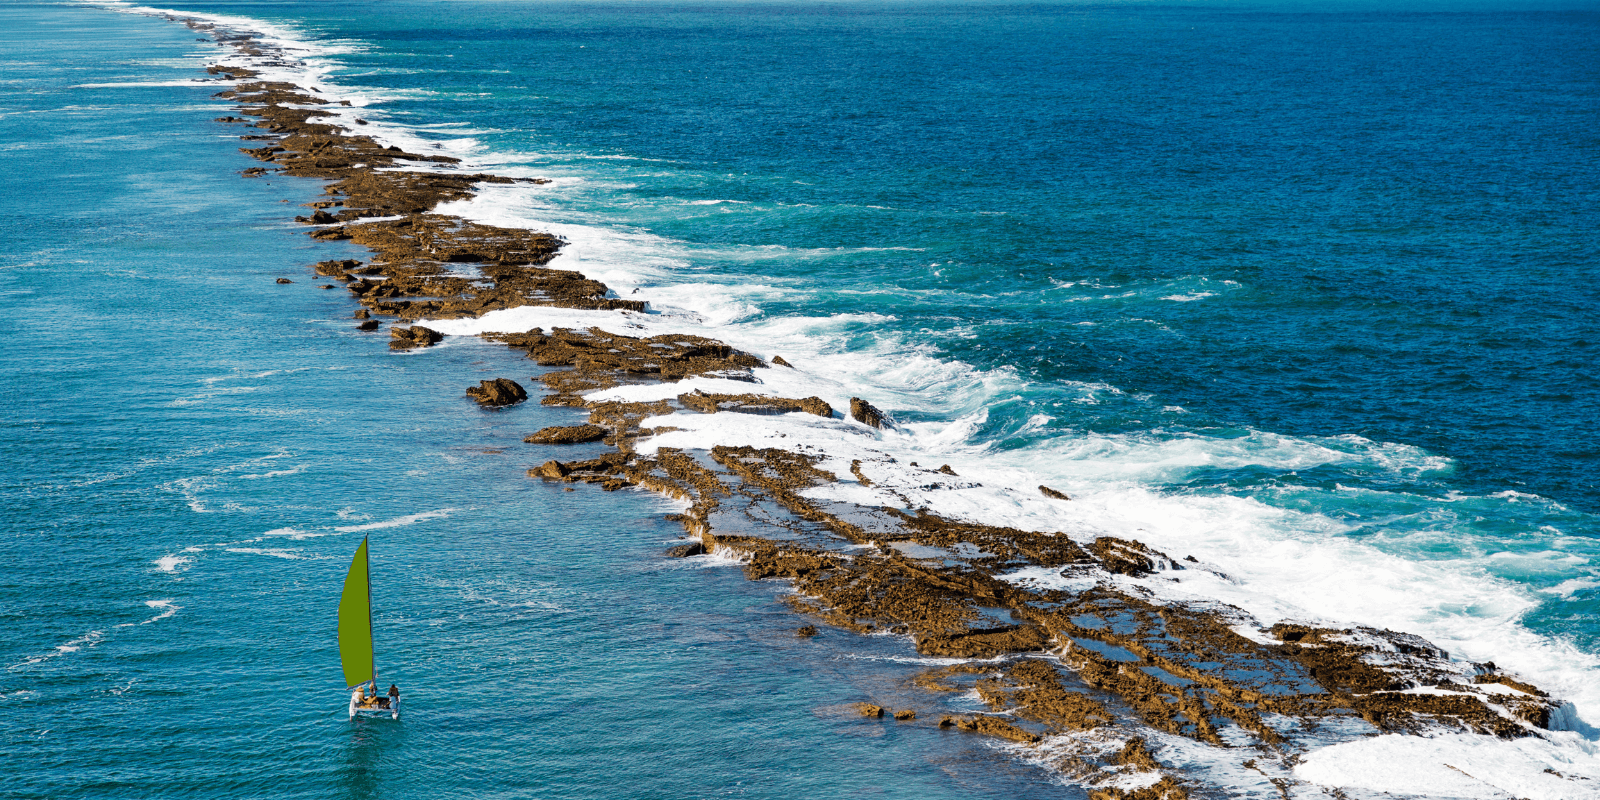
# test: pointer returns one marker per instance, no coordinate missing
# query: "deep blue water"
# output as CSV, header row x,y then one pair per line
x,y
1335,264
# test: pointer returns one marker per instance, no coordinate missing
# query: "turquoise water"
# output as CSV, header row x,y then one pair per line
x,y
1310,295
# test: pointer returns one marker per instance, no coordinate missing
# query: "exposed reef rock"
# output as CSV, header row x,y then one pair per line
x,y
1086,676
695,549
570,434
412,337
752,404
865,413
498,392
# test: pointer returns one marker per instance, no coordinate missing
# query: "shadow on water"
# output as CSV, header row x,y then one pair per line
x,y
369,741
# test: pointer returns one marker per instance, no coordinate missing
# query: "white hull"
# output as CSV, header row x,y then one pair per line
x,y
392,712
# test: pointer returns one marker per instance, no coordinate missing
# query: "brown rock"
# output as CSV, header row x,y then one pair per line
x,y
362,313
284,280
686,550
905,714
1053,494
368,325
780,362
990,726
498,392
752,404
865,413
947,470
334,269
869,710
574,434
412,337
806,631
553,470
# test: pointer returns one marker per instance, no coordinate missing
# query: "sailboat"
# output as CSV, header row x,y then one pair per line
x,y
355,643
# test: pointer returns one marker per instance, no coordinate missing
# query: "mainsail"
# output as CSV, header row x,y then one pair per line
x,y
355,622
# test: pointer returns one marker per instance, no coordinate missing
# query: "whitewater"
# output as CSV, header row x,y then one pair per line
x,y
1380,554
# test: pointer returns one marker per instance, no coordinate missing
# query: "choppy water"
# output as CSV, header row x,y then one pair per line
x,y
1309,295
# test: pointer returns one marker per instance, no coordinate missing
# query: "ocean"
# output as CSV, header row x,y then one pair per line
x,y
1308,294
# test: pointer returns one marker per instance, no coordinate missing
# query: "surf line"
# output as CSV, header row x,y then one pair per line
x,y
1086,671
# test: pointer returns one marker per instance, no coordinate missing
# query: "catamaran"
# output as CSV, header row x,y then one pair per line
x,y
355,643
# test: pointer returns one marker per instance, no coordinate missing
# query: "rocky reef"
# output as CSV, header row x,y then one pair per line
x,y
1085,679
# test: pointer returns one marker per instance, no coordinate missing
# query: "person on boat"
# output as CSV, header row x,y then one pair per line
x,y
360,695
394,694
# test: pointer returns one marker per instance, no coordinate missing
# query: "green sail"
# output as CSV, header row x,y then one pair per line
x,y
355,622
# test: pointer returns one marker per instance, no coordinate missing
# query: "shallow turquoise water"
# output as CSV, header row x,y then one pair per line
x,y
1333,265
166,399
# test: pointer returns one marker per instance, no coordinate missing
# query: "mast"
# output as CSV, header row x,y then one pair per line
x,y
372,650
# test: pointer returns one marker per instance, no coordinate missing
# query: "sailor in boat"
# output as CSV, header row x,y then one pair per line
x,y
361,700
355,643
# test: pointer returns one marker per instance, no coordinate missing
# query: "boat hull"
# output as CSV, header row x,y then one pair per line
x,y
392,712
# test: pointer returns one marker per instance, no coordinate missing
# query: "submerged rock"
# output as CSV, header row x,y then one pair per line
x,y
284,280
498,392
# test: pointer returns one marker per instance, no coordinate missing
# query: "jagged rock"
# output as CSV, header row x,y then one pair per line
x,y
368,325
753,404
947,470
1053,494
983,643
905,714
321,217
1125,557
686,550
254,172
869,710
414,336
865,413
806,631
362,313
552,469
573,434
498,392
990,726
284,280
780,362
334,269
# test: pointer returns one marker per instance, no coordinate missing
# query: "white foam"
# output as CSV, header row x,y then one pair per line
x,y
171,563
1275,562
409,519
293,555
166,607
1459,766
